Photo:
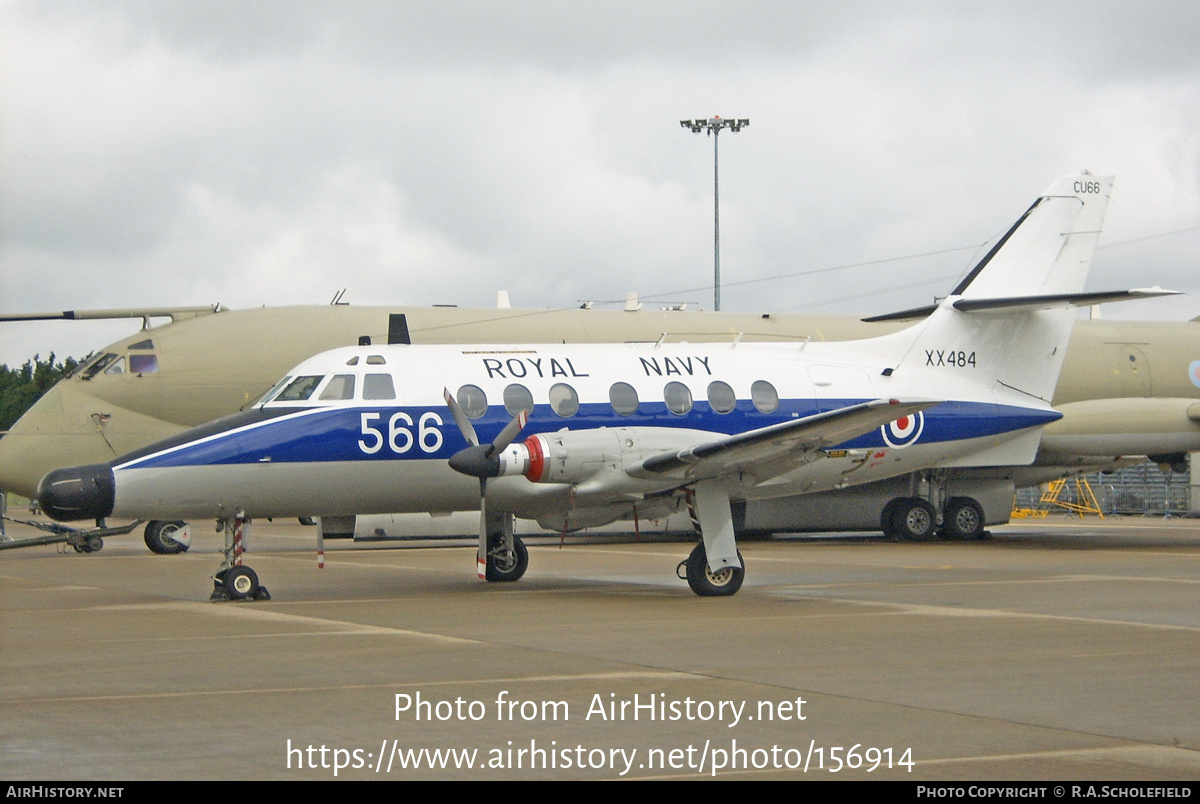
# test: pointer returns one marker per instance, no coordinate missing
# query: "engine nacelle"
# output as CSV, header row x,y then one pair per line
x,y
574,456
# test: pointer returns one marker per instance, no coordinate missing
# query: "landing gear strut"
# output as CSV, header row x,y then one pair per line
x,y
234,581
506,557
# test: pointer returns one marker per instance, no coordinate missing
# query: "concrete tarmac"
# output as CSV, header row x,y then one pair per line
x,y
1059,649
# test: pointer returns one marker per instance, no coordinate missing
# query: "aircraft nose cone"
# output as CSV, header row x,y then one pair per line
x,y
78,492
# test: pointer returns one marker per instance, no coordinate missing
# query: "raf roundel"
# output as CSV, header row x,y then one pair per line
x,y
1194,373
904,431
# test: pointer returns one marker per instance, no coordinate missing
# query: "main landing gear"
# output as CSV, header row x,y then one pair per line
x,y
914,519
235,581
708,505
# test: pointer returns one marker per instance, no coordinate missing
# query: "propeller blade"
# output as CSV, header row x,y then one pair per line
x,y
460,418
510,432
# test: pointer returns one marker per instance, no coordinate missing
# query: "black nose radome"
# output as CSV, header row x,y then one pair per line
x,y
78,492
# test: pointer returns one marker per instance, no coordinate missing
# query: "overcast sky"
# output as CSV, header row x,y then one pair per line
x,y
267,153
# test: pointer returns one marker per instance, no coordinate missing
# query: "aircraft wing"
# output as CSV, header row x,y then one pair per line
x,y
764,449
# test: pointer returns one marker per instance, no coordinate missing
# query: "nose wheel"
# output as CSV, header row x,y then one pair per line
x,y
235,581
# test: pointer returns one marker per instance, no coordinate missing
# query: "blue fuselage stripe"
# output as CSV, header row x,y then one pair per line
x,y
342,434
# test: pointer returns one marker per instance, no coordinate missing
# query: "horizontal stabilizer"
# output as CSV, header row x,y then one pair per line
x,y
1043,302
767,444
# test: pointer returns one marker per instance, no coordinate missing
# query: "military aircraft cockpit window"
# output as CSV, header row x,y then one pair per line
x,y
352,361
143,345
97,366
721,396
517,398
563,399
678,397
764,396
376,360
269,395
300,388
117,367
143,364
624,398
378,386
472,400
341,386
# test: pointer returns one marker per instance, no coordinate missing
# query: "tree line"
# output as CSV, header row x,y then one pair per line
x,y
21,387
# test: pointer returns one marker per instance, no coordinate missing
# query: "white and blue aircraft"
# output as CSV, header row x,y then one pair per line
x,y
632,430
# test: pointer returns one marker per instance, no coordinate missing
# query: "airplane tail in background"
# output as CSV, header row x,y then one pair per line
x,y
1008,322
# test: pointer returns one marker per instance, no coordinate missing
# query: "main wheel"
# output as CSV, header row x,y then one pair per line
x,y
963,519
158,536
914,519
505,566
240,583
705,582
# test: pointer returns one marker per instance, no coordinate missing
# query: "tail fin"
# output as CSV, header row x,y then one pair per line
x,y
1009,320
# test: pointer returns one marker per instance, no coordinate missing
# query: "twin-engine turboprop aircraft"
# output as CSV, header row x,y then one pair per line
x,y
619,431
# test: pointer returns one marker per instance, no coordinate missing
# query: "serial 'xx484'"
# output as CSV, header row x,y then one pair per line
x,y
575,436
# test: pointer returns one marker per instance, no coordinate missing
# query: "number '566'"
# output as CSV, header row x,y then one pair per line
x,y
400,438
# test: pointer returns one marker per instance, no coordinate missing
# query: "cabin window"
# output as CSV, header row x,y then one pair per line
x,y
624,398
563,399
721,397
473,401
300,388
341,386
117,367
764,396
143,364
378,386
517,398
678,397
376,360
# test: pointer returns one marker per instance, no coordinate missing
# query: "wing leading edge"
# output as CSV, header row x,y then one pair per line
x,y
765,446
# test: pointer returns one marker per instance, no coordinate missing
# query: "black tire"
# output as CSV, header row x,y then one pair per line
x,y
706,583
963,519
240,583
307,521
914,519
505,566
158,536
885,519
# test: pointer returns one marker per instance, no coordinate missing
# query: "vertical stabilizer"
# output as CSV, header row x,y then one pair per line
x,y
1007,324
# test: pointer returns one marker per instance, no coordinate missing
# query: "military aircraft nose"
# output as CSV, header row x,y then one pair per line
x,y
78,492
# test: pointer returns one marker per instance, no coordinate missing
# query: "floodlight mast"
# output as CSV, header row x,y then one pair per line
x,y
713,126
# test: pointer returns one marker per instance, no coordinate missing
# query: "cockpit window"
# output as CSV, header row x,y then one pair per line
x,y
376,360
352,361
378,386
99,364
117,367
300,388
340,386
143,345
143,364
269,395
